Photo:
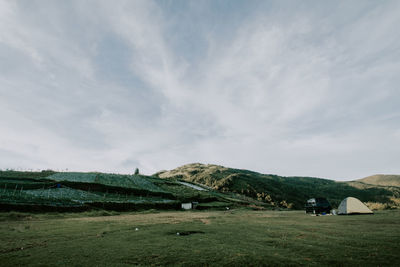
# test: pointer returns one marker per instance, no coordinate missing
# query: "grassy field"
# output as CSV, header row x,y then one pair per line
x,y
217,238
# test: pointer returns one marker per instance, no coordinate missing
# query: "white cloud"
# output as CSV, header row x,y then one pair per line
x,y
102,86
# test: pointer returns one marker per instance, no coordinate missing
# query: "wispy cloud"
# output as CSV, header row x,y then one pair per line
x,y
299,89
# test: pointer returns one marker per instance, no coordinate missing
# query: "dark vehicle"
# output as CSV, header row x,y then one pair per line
x,y
318,205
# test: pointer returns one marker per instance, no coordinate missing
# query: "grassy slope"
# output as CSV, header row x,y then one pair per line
x,y
277,190
234,238
88,190
382,180
123,192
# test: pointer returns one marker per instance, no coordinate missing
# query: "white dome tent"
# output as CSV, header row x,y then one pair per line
x,y
352,205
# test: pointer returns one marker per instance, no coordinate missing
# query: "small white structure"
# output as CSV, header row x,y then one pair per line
x,y
187,206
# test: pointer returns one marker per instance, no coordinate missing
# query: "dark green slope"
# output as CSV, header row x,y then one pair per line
x,y
49,190
77,191
276,190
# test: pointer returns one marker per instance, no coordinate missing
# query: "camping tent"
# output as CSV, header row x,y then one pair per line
x,y
351,205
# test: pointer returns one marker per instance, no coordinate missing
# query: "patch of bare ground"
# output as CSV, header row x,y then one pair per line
x,y
152,218
205,221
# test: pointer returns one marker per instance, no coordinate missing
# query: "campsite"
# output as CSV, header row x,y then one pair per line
x,y
196,215
199,133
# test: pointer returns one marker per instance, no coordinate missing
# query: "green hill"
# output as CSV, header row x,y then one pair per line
x,y
76,191
279,191
219,187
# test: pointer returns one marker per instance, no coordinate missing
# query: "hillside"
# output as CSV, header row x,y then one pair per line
x,y
220,187
279,191
381,179
78,191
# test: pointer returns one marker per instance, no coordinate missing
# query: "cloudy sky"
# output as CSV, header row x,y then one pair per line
x,y
286,87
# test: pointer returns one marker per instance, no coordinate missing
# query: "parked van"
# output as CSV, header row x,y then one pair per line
x,y
318,205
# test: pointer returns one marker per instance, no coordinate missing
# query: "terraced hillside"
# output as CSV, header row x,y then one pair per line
x,y
220,187
75,191
279,191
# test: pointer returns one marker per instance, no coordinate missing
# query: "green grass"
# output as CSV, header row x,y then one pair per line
x,y
126,181
25,174
46,190
69,196
218,238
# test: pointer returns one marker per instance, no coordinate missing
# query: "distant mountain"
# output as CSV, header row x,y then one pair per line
x,y
279,191
381,179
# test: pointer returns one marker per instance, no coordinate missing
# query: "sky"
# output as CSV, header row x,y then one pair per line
x,y
294,88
